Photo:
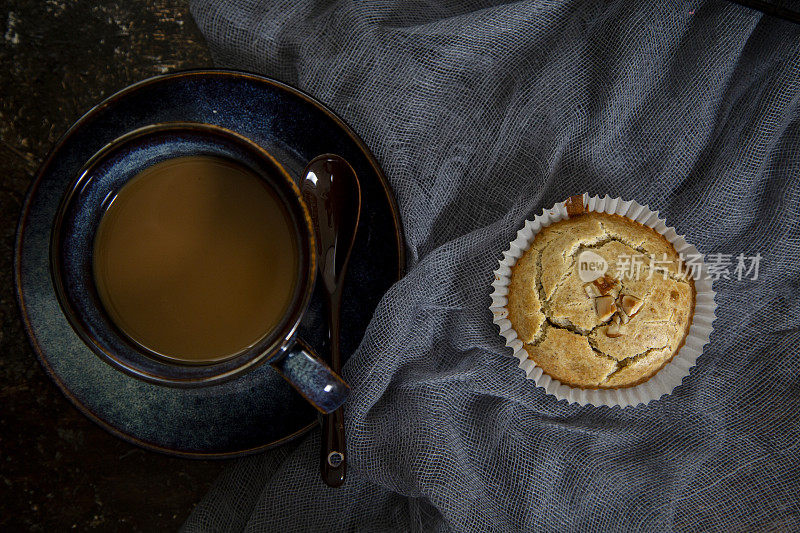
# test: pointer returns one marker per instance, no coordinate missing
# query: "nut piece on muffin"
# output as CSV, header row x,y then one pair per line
x,y
600,301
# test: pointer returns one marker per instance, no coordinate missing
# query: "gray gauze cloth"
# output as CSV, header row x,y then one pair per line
x,y
482,114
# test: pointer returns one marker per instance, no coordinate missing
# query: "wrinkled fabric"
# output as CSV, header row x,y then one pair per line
x,y
481,115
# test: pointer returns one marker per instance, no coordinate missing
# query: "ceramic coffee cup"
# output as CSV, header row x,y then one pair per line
x,y
71,255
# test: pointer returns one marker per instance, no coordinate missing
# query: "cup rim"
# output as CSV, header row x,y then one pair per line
x,y
273,343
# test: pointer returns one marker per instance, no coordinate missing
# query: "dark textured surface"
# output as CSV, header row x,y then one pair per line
x,y
57,469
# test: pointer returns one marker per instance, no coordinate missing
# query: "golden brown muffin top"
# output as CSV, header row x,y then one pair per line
x,y
614,331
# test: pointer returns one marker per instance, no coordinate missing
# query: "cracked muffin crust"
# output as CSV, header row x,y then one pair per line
x,y
615,331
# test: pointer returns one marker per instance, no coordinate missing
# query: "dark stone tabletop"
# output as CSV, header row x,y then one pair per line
x,y
59,471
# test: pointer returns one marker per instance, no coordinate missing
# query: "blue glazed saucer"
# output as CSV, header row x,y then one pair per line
x,y
259,409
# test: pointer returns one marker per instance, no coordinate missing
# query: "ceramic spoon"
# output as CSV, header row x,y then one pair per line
x,y
333,195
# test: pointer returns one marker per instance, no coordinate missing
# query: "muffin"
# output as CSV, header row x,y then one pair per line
x,y
600,301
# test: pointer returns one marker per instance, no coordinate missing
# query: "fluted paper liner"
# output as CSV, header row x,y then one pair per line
x,y
666,379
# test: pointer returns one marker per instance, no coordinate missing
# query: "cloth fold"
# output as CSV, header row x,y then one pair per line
x,y
481,115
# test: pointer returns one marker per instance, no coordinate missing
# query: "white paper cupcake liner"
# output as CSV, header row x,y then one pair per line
x,y
665,380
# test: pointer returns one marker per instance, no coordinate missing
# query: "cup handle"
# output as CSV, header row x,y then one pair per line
x,y
312,378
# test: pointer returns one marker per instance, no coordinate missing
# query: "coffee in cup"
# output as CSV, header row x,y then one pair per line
x,y
195,259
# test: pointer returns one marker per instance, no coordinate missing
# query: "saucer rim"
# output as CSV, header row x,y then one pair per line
x,y
43,167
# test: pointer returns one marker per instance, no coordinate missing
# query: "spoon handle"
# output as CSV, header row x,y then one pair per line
x,y
333,460
333,464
